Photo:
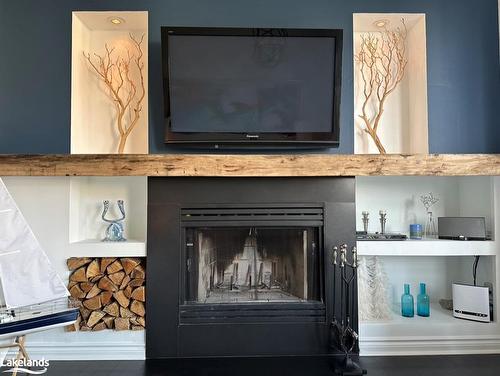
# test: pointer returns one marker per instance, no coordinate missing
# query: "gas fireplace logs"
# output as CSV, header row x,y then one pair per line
x,y
110,292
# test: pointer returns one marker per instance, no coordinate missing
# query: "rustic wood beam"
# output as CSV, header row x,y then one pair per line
x,y
249,165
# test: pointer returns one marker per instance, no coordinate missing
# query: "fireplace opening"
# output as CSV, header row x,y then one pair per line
x,y
253,264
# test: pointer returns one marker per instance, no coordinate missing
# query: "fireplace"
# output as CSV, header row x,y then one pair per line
x,y
240,266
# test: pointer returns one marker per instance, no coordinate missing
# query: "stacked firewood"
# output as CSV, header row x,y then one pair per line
x,y
110,293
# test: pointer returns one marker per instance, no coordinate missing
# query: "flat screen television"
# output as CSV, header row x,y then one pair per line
x,y
237,87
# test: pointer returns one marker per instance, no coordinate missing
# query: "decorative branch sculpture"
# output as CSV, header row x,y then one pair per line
x,y
382,62
116,75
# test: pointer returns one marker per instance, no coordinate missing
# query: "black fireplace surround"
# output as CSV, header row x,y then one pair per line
x,y
241,266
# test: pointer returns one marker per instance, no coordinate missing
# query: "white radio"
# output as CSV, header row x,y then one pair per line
x,y
471,302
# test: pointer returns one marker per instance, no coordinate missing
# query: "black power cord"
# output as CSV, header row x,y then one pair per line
x,y
474,268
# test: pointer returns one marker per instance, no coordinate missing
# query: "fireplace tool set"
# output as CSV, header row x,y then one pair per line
x,y
343,337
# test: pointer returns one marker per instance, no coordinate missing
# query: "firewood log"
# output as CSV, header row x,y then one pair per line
x,y
114,267
139,294
99,326
109,321
125,282
127,291
112,309
93,269
106,284
75,262
137,327
93,303
124,312
138,272
85,328
72,283
86,286
75,326
141,321
78,275
136,282
95,317
72,328
121,298
93,292
129,264
77,303
105,262
76,292
106,297
122,323
85,313
96,278
138,308
117,277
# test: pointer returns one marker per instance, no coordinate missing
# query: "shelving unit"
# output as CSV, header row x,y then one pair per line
x,y
438,263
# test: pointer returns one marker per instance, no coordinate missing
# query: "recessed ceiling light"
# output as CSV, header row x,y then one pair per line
x,y
381,23
116,20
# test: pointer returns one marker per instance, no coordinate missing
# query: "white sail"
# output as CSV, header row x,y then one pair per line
x,y
27,277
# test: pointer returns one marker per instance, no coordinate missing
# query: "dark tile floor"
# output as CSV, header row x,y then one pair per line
x,y
469,365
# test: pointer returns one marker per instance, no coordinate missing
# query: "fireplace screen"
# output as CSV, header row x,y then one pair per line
x,y
252,264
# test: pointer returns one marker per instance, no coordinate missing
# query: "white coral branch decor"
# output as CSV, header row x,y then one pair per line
x,y
373,290
126,93
428,200
381,63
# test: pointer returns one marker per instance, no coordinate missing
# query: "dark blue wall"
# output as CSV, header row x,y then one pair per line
x,y
462,51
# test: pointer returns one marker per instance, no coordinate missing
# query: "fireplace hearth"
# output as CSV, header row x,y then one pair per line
x,y
240,266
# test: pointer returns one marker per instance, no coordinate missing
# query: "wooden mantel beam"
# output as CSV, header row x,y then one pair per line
x,y
249,165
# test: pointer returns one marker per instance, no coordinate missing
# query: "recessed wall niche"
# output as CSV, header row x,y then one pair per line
x,y
403,126
86,227
94,109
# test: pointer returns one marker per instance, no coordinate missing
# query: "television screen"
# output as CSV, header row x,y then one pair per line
x,y
251,83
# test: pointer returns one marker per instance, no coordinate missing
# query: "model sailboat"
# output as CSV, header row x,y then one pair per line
x,y
34,298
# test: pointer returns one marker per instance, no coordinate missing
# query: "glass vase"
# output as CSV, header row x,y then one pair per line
x,y
407,304
430,226
423,302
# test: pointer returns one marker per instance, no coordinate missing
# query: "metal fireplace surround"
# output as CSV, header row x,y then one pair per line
x,y
221,281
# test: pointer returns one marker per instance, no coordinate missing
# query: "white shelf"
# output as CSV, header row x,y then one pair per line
x,y
440,333
98,248
426,247
441,323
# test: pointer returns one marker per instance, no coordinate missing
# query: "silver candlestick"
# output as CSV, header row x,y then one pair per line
x,y
383,220
365,215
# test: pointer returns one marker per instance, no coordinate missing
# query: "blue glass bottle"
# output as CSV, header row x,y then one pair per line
x,y
407,305
423,303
